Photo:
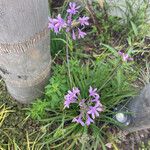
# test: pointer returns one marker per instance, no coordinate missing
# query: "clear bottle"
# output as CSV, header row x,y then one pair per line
x,y
123,116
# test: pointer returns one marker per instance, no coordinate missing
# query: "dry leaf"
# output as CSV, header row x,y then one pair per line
x,y
101,3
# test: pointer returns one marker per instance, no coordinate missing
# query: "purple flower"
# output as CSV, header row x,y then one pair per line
x,y
70,24
89,108
94,111
73,8
83,105
89,120
81,34
76,90
71,97
51,23
56,24
73,35
125,57
93,93
109,145
78,119
84,20
98,104
69,20
82,102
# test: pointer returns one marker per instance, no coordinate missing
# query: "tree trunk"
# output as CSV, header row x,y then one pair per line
x,y
24,47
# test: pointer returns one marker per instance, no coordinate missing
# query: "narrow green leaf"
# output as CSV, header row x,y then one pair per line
x,y
111,49
134,27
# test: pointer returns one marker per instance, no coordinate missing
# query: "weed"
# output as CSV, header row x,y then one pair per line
x,y
145,74
58,86
112,72
131,21
114,86
4,112
30,143
38,109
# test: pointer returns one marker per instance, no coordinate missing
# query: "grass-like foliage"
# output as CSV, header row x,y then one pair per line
x,y
112,78
145,74
121,20
30,142
136,18
4,112
82,81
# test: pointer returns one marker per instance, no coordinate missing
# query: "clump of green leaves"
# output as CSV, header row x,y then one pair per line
x,y
121,20
136,18
38,109
114,86
57,45
58,86
107,26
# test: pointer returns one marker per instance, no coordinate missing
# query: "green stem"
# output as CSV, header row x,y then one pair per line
x,y
67,59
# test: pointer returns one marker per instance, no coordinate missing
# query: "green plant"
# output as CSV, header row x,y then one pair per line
x,y
57,42
4,112
57,46
106,26
38,109
58,86
129,21
114,86
110,73
145,74
136,17
29,143
107,71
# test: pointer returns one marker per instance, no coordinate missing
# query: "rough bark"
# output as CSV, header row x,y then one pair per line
x,y
24,47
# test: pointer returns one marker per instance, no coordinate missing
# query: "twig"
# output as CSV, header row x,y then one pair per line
x,y
94,17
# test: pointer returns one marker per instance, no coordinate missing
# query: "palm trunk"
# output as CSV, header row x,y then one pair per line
x,y
24,47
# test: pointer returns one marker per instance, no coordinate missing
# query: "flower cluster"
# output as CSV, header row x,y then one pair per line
x,y
125,57
89,108
71,25
71,97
